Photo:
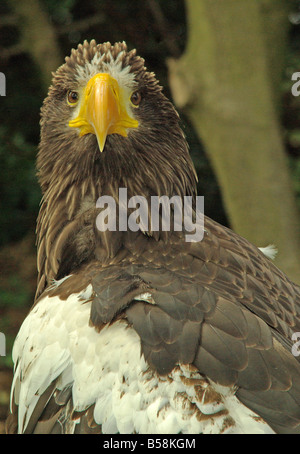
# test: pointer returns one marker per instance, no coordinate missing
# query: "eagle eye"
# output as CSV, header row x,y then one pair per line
x,y
72,97
136,98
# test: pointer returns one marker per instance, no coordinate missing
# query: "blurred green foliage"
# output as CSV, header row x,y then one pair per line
x,y
19,191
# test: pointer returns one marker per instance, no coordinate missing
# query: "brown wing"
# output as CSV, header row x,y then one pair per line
x,y
220,305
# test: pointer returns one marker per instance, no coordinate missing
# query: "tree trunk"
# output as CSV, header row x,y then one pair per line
x,y
228,83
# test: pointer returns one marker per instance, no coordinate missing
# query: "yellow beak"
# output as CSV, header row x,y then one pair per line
x,y
102,110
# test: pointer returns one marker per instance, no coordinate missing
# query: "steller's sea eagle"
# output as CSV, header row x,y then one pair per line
x,y
139,330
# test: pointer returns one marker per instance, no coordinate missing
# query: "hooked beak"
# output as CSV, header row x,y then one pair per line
x,y
102,110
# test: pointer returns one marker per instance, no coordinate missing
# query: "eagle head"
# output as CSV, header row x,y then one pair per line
x,y
106,114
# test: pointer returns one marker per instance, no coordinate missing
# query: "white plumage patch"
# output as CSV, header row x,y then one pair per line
x,y
56,342
113,67
269,251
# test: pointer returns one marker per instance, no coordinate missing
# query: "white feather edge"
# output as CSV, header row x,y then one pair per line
x,y
269,251
106,368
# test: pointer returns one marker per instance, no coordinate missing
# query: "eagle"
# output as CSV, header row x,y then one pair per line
x,y
137,331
